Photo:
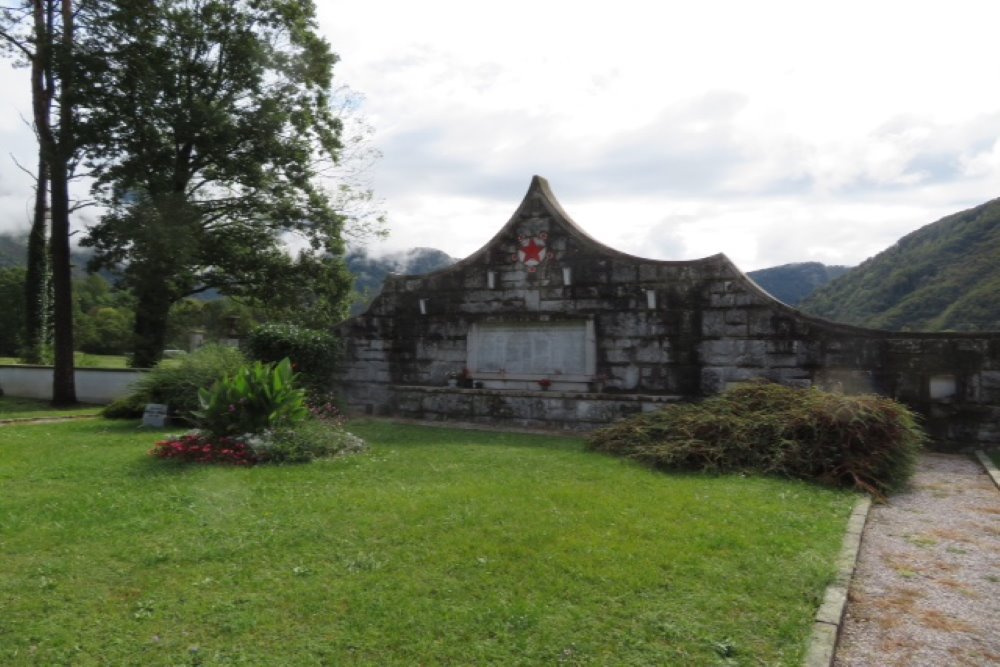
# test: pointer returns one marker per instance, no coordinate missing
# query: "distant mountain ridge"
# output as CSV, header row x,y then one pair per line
x,y
944,276
791,283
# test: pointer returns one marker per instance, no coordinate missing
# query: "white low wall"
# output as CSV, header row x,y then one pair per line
x,y
93,385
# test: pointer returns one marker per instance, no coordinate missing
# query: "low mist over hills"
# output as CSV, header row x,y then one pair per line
x,y
369,272
944,276
12,251
791,283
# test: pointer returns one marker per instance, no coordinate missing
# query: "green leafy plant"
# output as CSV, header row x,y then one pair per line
x,y
868,442
255,398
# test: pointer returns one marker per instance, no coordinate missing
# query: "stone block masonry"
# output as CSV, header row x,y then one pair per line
x,y
557,310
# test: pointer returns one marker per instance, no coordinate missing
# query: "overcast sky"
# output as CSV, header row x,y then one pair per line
x,y
772,131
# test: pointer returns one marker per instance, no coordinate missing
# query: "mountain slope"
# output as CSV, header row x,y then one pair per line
x,y
944,276
791,283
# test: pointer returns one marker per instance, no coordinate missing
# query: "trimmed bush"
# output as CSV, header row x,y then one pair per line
x,y
314,354
866,442
176,382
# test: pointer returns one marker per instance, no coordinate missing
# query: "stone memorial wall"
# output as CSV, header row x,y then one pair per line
x,y
545,326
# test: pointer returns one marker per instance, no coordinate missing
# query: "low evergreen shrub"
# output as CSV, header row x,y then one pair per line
x,y
866,442
176,382
314,354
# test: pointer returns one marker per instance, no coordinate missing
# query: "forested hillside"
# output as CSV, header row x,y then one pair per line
x,y
791,283
944,276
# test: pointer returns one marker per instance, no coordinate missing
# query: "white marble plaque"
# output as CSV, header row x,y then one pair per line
x,y
544,349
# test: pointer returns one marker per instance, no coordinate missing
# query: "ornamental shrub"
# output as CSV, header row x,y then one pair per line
x,y
313,353
176,382
255,398
866,442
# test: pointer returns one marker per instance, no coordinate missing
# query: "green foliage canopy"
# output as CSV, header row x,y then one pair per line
x,y
215,125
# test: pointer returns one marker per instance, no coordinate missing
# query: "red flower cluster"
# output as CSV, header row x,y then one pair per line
x,y
199,449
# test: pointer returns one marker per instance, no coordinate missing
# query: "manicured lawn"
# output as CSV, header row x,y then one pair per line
x,y
17,408
84,360
438,547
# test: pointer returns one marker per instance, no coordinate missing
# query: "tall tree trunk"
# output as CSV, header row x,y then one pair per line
x,y
151,313
36,280
63,383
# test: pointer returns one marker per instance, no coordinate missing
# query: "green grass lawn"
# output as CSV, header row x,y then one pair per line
x,y
438,547
84,360
19,408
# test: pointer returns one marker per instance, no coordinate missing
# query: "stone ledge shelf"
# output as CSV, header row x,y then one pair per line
x,y
567,410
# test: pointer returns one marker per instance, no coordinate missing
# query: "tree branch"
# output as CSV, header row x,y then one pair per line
x,y
23,168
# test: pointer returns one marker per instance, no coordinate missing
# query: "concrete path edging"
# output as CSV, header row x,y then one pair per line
x,y
991,468
826,627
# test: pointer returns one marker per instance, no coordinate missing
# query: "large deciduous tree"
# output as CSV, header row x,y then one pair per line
x,y
216,126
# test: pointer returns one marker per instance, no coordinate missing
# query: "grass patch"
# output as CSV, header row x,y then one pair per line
x,y
994,455
19,408
85,360
437,547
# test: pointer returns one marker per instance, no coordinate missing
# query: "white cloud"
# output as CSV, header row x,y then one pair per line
x,y
774,131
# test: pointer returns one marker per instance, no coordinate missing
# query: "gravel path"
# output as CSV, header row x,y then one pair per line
x,y
927,586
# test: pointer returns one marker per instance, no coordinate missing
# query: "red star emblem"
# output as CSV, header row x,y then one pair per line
x,y
533,252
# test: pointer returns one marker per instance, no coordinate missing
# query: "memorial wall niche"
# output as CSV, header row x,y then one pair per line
x,y
536,350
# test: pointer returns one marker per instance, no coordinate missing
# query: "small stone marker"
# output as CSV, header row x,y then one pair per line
x,y
155,415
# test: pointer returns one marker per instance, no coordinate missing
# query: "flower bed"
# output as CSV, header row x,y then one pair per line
x,y
199,448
